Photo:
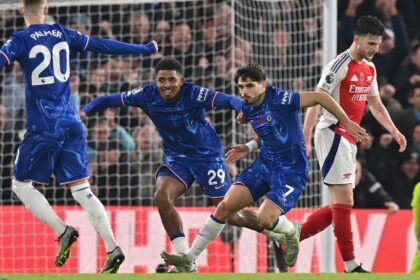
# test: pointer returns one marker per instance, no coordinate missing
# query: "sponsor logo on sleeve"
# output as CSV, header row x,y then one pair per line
x,y
202,95
134,91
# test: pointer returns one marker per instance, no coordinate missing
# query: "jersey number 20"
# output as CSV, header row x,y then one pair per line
x,y
62,77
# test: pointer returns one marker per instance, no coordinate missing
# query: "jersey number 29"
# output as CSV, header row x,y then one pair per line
x,y
55,59
213,173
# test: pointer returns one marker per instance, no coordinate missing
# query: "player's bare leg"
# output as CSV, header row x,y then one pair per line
x,y
243,218
270,216
236,198
168,189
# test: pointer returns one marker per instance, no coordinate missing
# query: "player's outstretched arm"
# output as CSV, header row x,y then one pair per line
x,y
216,99
311,118
101,103
312,98
109,46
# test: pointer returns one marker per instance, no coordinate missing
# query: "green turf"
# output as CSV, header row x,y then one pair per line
x,y
237,276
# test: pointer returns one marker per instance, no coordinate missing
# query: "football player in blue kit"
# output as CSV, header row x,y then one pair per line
x,y
54,142
280,171
193,150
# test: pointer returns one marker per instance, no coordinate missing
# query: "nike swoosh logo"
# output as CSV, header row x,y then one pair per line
x,y
218,187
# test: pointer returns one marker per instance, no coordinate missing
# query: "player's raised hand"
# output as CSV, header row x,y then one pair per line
x,y
236,153
400,139
83,116
355,131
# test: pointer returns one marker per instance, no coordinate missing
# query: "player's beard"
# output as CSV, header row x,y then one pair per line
x,y
365,55
256,100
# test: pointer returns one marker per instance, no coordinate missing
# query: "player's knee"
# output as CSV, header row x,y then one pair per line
x,y
345,199
162,199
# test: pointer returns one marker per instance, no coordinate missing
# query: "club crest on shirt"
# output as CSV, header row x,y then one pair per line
x,y
287,97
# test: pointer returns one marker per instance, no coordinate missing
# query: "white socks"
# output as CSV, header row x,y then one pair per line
x,y
350,265
38,205
210,230
96,213
283,225
180,243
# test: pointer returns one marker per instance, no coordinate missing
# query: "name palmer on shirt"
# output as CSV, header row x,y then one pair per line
x,y
38,34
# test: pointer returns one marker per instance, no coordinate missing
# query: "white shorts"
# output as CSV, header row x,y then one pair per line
x,y
336,157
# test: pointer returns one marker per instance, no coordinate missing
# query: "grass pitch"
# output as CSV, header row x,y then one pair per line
x,y
236,276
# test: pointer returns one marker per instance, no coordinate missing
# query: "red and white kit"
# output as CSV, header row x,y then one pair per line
x,y
349,83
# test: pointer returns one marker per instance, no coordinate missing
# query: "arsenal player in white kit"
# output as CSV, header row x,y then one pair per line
x,y
350,78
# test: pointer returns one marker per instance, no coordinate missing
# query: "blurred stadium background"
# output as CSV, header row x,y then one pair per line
x,y
292,39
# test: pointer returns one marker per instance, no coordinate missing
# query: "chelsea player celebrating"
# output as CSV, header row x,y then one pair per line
x,y
281,170
193,150
54,142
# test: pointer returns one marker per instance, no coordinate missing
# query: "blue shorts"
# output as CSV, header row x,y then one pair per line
x,y
62,153
212,176
283,189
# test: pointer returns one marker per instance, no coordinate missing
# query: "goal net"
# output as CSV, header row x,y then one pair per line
x,y
211,39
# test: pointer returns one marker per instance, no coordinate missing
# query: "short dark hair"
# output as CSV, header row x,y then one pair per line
x,y
33,2
369,25
253,71
169,63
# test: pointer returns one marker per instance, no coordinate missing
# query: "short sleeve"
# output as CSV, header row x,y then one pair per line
x,y
374,90
290,99
333,73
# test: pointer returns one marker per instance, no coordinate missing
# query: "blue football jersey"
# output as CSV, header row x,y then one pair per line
x,y
43,51
181,124
277,123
